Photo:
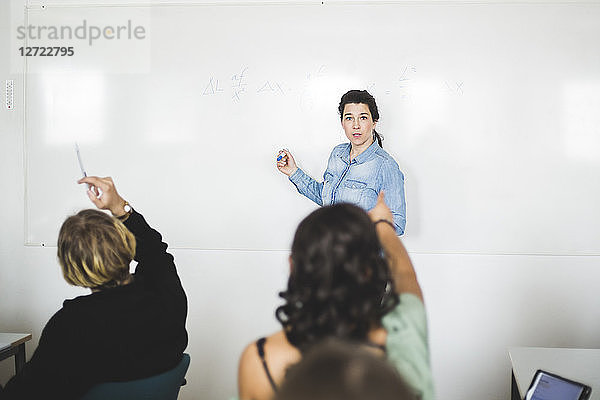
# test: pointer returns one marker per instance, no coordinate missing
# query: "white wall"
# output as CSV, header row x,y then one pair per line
x,y
479,305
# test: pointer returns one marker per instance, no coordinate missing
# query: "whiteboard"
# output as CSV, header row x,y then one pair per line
x,y
490,109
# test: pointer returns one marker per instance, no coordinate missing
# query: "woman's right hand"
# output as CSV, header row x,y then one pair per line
x,y
287,164
103,193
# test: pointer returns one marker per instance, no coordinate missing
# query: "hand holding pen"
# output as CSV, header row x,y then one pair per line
x,y
103,193
285,162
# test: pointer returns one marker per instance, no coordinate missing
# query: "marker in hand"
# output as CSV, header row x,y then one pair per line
x,y
285,162
81,164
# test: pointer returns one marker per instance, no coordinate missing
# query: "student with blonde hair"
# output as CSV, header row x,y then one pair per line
x,y
131,326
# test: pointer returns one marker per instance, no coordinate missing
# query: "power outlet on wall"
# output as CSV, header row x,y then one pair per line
x,y
10,94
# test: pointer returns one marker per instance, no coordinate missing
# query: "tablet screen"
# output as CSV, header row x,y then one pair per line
x,y
550,387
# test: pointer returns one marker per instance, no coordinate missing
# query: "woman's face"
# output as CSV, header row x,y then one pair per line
x,y
358,124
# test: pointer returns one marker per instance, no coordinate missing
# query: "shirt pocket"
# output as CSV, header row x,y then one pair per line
x,y
351,191
361,194
355,185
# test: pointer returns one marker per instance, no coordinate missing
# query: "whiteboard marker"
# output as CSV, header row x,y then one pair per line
x,y
81,164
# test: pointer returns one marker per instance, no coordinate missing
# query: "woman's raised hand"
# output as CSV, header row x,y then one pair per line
x,y
381,210
103,193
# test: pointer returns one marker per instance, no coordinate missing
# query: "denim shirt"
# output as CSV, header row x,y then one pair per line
x,y
358,182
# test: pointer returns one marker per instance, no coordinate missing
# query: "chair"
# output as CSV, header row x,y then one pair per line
x,y
163,386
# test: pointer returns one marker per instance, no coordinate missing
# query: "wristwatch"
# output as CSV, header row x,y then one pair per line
x,y
128,210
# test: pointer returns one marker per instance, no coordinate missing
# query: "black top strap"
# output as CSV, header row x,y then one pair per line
x,y
376,345
260,346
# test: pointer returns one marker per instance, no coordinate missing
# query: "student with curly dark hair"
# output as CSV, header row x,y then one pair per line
x,y
350,279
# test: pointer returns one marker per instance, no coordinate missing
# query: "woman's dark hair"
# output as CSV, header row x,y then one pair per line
x,y
336,370
362,97
339,284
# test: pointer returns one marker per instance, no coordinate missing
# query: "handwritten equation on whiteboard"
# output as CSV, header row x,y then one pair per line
x,y
240,83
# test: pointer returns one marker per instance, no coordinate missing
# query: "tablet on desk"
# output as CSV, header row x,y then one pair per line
x,y
548,386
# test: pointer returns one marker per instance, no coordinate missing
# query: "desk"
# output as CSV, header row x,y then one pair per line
x,y
13,344
582,365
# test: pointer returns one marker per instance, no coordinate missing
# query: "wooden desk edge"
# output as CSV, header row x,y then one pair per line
x,y
22,340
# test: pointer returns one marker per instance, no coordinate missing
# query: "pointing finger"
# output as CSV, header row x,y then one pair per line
x,y
92,180
103,184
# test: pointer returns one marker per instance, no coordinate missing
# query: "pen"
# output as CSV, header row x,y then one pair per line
x,y
81,163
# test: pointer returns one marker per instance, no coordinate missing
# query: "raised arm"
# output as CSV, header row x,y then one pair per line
x,y
151,252
403,273
407,342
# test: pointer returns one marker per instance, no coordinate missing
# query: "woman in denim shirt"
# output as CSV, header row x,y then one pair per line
x,y
356,171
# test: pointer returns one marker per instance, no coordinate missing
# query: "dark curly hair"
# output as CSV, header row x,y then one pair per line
x,y
362,97
339,285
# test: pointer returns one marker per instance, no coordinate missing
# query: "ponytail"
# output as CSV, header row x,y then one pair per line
x,y
378,137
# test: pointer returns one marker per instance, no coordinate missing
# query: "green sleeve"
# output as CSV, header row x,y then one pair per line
x,y
408,345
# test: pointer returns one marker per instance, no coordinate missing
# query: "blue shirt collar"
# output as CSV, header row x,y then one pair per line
x,y
362,157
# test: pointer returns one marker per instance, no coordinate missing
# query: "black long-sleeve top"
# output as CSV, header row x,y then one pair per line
x,y
123,333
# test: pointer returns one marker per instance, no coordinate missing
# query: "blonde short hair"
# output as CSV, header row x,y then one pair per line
x,y
95,249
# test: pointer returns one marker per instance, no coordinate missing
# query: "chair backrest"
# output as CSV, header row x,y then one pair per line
x,y
163,386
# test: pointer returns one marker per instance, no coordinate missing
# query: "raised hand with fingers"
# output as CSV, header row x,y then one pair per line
x,y
103,193
381,212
